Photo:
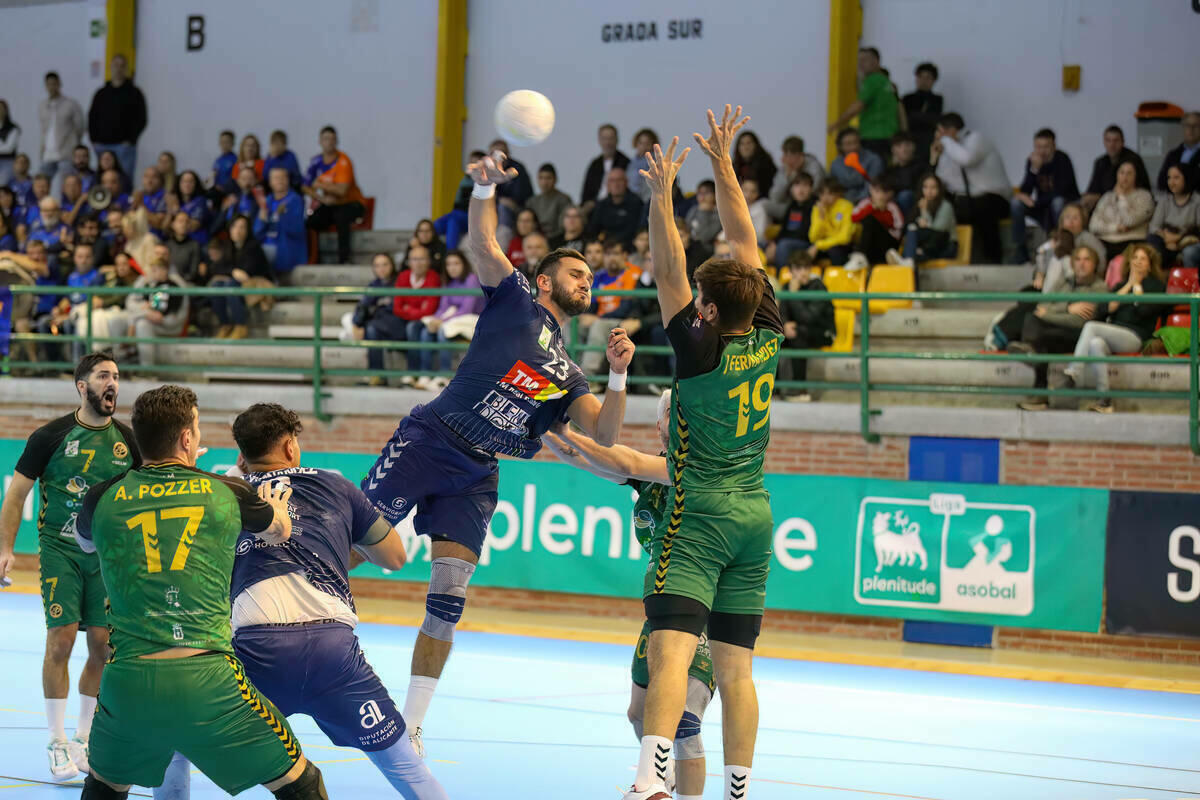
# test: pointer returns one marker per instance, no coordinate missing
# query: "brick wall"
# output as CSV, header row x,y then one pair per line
x,y
1085,464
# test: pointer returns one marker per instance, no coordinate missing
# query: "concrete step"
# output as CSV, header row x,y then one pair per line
x,y
333,275
387,241
300,312
302,331
215,356
976,278
931,323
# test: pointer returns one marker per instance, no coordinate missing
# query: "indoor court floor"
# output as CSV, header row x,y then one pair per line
x,y
525,717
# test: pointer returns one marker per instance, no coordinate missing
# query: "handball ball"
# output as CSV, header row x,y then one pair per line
x,y
524,117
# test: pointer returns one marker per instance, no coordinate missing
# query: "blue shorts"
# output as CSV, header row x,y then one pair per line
x,y
318,669
425,465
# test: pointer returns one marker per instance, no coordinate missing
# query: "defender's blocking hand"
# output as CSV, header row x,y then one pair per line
x,y
661,168
720,140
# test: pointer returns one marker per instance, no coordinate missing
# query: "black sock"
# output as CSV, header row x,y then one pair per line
x,y
309,786
99,790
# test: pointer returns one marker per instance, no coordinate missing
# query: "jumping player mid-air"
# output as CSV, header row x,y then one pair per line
x,y
712,556
68,456
648,476
514,383
166,534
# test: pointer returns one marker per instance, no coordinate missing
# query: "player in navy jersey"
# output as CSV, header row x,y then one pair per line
x,y
514,383
292,604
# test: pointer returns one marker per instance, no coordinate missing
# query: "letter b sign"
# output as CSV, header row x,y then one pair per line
x,y
195,32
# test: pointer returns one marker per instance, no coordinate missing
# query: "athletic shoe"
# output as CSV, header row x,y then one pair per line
x,y
656,791
62,768
422,383
418,745
78,748
797,397
856,262
892,256
1104,406
1020,348
907,262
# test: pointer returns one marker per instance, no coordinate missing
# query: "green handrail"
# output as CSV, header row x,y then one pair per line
x,y
319,373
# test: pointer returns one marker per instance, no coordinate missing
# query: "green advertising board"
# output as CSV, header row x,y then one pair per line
x,y
1024,556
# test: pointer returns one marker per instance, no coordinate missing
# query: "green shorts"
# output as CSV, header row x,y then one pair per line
x,y
72,589
701,667
202,707
716,549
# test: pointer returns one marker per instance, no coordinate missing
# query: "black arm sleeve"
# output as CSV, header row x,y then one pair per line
x,y
767,315
698,346
83,520
134,453
257,514
42,445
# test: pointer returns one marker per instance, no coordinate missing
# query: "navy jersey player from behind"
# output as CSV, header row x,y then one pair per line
x,y
514,383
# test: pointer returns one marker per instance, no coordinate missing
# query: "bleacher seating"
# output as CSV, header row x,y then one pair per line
x,y
887,279
963,233
364,223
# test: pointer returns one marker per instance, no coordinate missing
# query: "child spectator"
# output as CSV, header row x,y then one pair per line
x,y
411,309
1051,270
881,222
222,172
832,227
454,318
807,324
905,172
757,204
702,218
279,157
58,321
280,225
641,246
158,311
933,233
189,199
21,181
797,220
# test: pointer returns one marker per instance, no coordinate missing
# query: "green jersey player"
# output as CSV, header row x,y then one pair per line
x,y
166,535
65,457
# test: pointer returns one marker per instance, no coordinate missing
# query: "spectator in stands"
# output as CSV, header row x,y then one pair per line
x,y
243,203
595,179
279,225
807,324
8,238
832,227
643,142
1104,168
152,197
1052,262
425,235
593,254
81,165
1177,218
536,247
411,309
62,319
113,232
549,204
618,215
694,253
454,318
933,233
280,157
250,265
10,140
139,240
119,201
1049,184
880,221
157,312
1128,325
923,108
168,169
453,225
641,246
854,168
87,231
513,195
876,106
241,264
49,228
970,167
190,199
250,157
372,319
331,185
28,214
73,201
222,170
757,204
62,130
1187,152
607,312
702,218
527,223
21,181
1055,327
1122,215
109,317
752,162
108,160
793,162
572,236
905,172
183,251
117,116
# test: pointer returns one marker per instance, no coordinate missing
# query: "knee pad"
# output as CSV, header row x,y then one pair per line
x,y
688,743
309,786
446,598
94,789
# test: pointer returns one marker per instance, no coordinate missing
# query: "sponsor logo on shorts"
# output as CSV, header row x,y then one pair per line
x,y
946,553
55,610
370,715
120,450
399,503
72,448
531,382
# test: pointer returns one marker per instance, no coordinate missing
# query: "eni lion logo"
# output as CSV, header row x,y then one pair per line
x,y
902,545
120,450
77,485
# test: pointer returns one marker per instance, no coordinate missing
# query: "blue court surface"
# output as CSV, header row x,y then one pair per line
x,y
520,717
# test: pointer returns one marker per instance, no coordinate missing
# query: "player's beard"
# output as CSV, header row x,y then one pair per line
x,y
98,402
572,303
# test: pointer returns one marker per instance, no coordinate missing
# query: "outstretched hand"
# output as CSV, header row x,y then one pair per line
x,y
721,139
661,168
620,350
490,171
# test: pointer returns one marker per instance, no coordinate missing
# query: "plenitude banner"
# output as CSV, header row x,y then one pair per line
x,y
1022,556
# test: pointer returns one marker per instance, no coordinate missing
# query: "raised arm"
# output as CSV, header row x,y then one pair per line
x,y
603,421
487,256
731,204
666,248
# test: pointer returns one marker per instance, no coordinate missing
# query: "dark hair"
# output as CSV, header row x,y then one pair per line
x,y
328,129
833,186
8,125
83,147
756,159
610,127
844,132
1191,175
548,167
88,245
1117,130
468,268
249,225
735,288
475,156
549,264
87,364
34,243
873,51
902,137
799,258
793,144
952,120
707,183
199,192
278,134
646,132
927,66
589,242
391,260
159,417
614,242
1044,133
228,133
51,74
885,181
261,426
937,203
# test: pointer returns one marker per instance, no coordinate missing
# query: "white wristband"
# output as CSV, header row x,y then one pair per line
x,y
616,381
484,192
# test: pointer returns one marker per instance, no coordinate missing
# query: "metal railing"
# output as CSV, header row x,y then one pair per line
x,y
319,374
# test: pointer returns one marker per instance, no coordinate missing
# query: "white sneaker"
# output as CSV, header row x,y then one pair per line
x,y
62,768
892,256
422,383
906,262
856,262
656,791
418,745
78,749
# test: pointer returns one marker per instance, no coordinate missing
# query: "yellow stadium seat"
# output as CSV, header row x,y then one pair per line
x,y
963,256
843,342
839,280
773,231
886,278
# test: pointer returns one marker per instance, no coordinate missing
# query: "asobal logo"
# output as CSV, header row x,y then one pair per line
x,y
945,553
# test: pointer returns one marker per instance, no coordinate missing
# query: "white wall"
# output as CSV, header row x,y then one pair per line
x,y
771,58
1001,64
298,65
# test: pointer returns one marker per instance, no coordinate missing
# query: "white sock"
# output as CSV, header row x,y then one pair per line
x,y
416,702
737,782
652,764
56,715
87,710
